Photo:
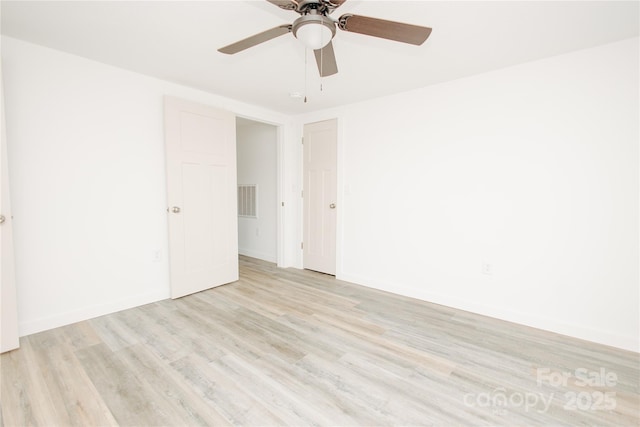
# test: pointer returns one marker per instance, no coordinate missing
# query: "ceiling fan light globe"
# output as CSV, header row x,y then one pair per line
x,y
314,30
314,35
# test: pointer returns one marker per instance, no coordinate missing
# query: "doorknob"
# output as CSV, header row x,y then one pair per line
x,y
175,209
332,205
2,219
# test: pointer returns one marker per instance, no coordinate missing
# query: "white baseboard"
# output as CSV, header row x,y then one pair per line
x,y
62,319
535,321
259,255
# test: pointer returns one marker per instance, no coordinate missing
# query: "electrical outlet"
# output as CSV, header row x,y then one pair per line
x,y
157,255
257,232
487,269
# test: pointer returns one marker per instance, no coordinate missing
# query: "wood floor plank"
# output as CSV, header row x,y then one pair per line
x,y
257,382
113,333
193,335
17,393
74,397
297,380
79,335
294,347
181,404
131,400
219,390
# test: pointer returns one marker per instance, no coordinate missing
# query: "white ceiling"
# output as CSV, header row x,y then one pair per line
x,y
177,41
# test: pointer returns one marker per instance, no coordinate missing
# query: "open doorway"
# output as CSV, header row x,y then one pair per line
x,y
257,159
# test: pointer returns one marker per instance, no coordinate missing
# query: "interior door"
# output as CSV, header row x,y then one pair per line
x,y
200,146
319,193
8,303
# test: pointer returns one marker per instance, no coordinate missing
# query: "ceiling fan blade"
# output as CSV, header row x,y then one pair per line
x,y
255,39
326,60
391,30
284,4
334,4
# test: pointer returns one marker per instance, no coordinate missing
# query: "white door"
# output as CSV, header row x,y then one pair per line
x,y
320,189
8,304
200,146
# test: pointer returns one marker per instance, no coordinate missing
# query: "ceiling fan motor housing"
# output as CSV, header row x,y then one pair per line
x,y
324,7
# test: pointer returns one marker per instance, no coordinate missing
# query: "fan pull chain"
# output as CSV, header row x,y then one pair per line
x,y
305,74
321,66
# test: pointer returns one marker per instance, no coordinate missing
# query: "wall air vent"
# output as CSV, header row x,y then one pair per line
x,y
248,201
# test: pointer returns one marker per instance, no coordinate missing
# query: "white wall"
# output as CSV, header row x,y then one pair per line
x,y
532,169
257,164
86,156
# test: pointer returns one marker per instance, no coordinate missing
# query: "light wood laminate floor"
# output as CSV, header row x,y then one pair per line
x,y
289,347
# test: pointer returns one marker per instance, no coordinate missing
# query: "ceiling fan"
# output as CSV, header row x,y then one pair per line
x,y
315,28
